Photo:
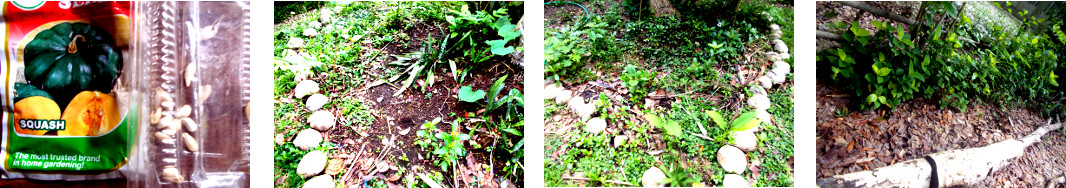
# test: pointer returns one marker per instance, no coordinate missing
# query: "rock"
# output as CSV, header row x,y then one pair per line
x,y
551,91
596,125
760,102
279,139
307,139
699,184
757,90
322,120
564,96
778,76
323,181
295,43
778,32
775,35
775,27
764,116
785,56
316,102
653,177
745,140
780,46
582,109
782,67
310,32
732,159
733,180
312,163
765,82
305,88
619,140
325,16
315,24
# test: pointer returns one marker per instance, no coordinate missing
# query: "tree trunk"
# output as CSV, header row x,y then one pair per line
x,y
962,167
662,8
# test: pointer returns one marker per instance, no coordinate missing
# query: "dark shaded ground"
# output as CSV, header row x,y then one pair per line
x,y
861,140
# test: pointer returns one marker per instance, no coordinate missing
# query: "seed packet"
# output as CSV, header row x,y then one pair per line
x,y
66,96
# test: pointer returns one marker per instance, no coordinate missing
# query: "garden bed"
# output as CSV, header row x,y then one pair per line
x,y
378,127
608,76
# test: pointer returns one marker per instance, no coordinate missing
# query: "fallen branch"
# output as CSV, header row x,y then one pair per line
x,y
962,167
606,181
877,11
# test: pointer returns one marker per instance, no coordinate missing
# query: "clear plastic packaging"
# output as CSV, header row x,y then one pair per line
x,y
198,54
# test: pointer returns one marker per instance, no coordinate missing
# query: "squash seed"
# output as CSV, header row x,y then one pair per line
x,y
156,115
171,174
190,125
190,143
160,136
190,74
184,111
205,92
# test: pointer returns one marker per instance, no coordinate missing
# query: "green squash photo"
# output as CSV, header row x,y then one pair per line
x,y
72,57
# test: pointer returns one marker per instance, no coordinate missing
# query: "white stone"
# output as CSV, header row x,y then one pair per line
x,y
780,46
316,102
563,96
307,139
732,159
582,109
760,102
551,91
764,116
310,32
596,125
312,163
757,90
765,82
775,35
653,177
619,140
322,120
322,181
782,67
315,24
745,140
775,27
305,88
295,43
778,76
325,16
733,180
785,56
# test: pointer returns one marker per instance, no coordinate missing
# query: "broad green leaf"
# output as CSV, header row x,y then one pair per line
x,y
880,25
499,47
653,120
871,98
717,118
744,122
859,31
843,56
467,93
672,128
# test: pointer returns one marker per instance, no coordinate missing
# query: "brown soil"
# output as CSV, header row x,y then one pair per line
x,y
864,140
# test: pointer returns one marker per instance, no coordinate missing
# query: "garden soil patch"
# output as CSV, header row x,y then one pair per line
x,y
864,140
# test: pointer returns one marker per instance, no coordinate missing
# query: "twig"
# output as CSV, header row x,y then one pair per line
x,y
608,181
351,169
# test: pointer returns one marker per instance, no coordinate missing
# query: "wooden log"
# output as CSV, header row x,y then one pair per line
x,y
962,167
877,11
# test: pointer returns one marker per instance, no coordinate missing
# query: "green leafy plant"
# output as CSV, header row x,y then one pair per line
x,y
451,147
637,80
742,123
468,94
678,177
671,127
